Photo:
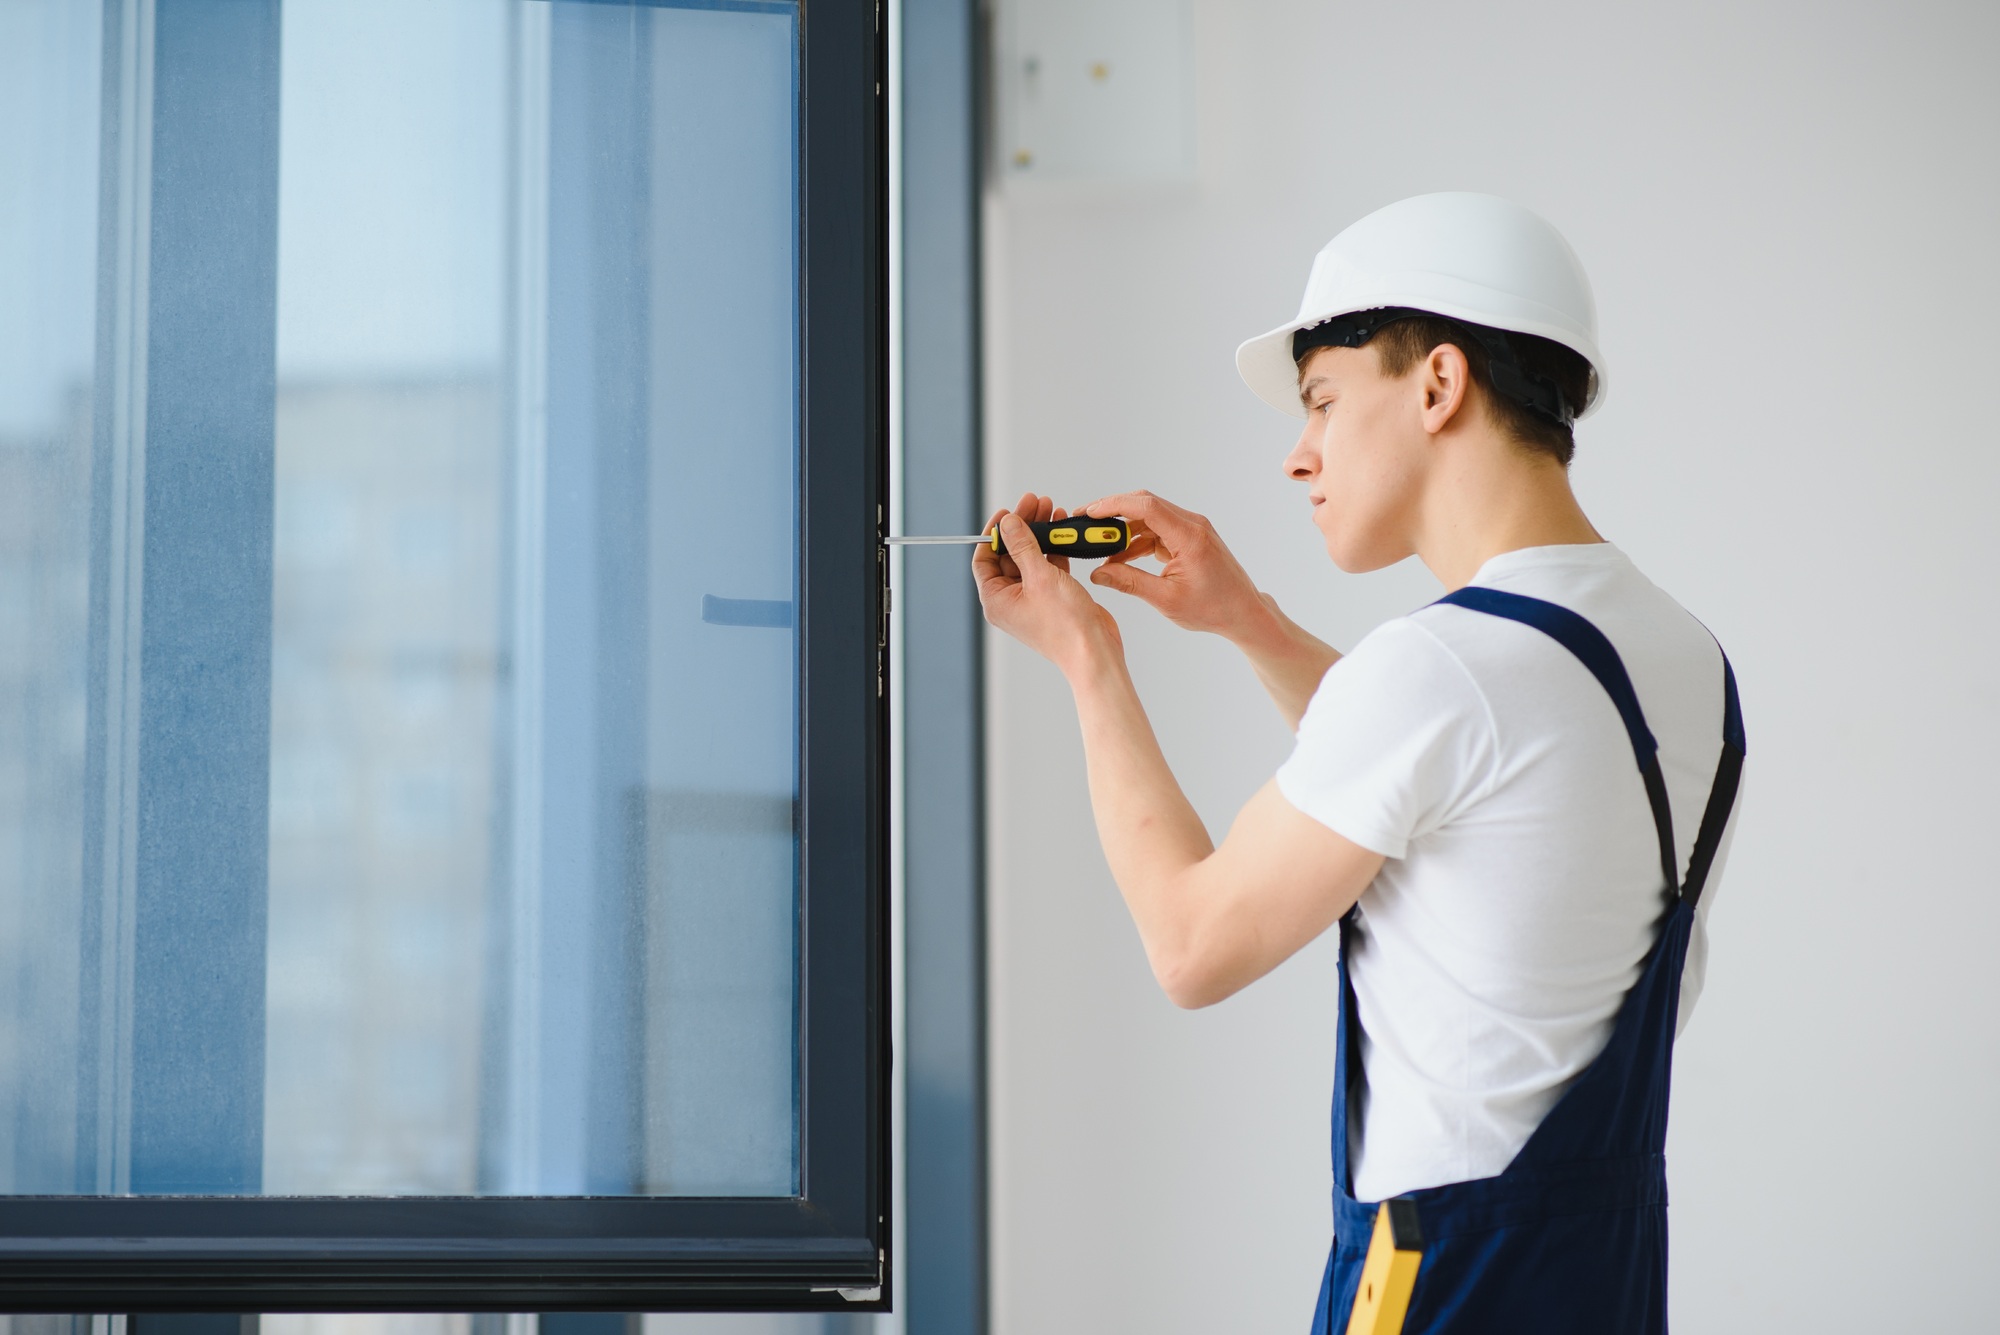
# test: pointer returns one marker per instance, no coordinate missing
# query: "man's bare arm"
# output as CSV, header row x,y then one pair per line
x,y
1212,919
1288,659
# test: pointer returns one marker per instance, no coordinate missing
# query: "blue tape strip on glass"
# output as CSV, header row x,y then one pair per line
x,y
771,612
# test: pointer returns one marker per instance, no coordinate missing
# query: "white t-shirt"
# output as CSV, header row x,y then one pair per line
x,y
1522,888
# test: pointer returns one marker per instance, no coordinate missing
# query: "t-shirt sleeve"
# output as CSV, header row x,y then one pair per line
x,y
1396,741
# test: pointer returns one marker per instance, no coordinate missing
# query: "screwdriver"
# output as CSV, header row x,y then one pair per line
x,y
1079,535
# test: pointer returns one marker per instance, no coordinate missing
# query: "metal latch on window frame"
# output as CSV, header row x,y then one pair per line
x,y
882,621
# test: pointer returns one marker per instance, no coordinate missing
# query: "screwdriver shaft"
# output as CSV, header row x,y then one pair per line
x,y
1087,536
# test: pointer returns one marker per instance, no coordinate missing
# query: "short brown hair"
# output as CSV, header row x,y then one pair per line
x,y
1401,344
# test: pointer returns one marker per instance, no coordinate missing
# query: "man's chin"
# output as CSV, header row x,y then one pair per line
x,y
1358,561
1347,562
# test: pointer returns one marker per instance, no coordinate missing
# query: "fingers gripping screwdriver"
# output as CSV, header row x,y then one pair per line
x,y
1079,535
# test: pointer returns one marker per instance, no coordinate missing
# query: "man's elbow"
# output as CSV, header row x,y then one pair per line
x,y
1192,982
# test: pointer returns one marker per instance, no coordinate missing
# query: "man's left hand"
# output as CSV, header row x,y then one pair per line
x,y
1033,597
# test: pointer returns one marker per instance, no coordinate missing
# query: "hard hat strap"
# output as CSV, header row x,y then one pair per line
x,y
1537,393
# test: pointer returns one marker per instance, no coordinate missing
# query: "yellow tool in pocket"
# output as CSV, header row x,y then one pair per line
x,y
1389,1274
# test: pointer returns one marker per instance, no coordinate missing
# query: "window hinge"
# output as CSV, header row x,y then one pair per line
x,y
870,1294
882,624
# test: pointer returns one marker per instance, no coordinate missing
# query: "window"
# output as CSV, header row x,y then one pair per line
x,y
442,741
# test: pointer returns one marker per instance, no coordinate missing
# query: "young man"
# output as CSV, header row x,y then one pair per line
x,y
1510,801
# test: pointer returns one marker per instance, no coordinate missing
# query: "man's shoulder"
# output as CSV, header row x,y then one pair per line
x,y
1673,662
1404,647
1401,668
1601,585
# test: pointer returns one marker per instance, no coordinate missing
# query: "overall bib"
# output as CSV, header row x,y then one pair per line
x,y
1572,1236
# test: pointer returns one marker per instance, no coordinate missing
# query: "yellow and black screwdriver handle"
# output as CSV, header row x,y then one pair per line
x,y
1077,536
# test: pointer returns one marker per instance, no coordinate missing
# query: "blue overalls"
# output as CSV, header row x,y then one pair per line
x,y
1572,1235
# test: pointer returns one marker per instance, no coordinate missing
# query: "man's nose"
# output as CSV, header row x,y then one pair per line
x,y
1302,464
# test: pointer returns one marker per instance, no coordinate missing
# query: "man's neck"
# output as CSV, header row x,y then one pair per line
x,y
1491,496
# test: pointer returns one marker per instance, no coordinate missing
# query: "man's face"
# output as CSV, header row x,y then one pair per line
x,y
1361,455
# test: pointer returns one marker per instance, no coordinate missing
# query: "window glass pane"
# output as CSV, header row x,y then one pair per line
x,y
533,721
49,59
721,698
392,454
529,922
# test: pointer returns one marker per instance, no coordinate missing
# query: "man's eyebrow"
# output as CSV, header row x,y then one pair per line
x,y
1309,385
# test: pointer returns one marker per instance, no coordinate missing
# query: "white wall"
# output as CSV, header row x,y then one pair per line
x,y
1790,212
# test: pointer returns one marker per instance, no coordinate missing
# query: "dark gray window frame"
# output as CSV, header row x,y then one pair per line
x,y
195,670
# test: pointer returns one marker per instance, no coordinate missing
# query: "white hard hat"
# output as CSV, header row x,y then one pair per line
x,y
1478,259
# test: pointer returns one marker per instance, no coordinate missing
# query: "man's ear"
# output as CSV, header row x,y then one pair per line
x,y
1446,382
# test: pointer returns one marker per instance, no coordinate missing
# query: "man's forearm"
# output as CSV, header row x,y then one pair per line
x,y
1288,659
1150,832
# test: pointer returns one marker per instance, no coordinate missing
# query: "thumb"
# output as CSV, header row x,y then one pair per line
x,y
1021,545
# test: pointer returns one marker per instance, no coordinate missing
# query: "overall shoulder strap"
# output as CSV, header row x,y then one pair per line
x,y
1596,653
1722,795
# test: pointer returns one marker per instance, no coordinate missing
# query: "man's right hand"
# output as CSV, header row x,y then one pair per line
x,y
1201,586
